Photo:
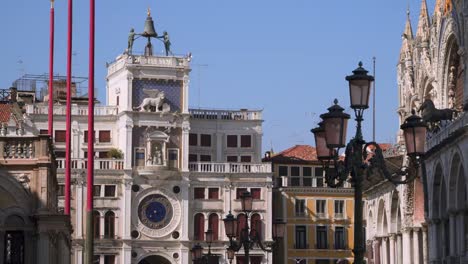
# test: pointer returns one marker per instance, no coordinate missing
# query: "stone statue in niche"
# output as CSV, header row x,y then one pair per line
x,y
156,157
451,85
154,103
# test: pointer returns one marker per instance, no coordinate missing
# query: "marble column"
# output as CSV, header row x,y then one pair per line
x,y
2,244
424,245
392,254
399,250
384,250
407,246
453,233
376,245
461,233
416,248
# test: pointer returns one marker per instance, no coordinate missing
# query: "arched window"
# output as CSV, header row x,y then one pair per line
x,y
213,223
14,240
96,223
109,225
199,227
256,224
241,219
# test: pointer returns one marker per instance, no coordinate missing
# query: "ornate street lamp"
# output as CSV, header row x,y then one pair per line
x,y
361,157
197,251
248,238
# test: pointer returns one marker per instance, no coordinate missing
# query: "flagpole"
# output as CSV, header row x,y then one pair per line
x,y
68,111
89,246
51,71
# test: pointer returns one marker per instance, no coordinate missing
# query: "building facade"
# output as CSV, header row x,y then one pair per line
x,y
31,228
433,66
320,219
164,174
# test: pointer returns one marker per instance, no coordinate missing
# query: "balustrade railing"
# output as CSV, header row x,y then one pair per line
x,y
226,114
213,167
446,129
20,148
99,164
76,110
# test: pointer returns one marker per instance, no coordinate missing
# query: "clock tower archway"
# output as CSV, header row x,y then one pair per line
x,y
154,260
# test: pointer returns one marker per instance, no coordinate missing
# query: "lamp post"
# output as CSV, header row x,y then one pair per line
x,y
362,157
197,251
248,237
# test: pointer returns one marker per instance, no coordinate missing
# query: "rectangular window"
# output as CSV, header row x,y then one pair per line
x,y
104,136
61,190
231,158
300,207
103,155
192,157
109,259
307,176
205,140
205,158
320,207
232,141
239,192
295,176
319,176
199,193
86,136
322,261
139,157
60,135
193,139
283,171
173,154
256,193
43,132
213,193
60,154
97,191
109,190
340,238
301,237
339,208
246,141
246,159
322,237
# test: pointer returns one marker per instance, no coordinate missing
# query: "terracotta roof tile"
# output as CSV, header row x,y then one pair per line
x,y
5,113
296,154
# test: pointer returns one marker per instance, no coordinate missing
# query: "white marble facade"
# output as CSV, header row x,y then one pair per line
x,y
169,155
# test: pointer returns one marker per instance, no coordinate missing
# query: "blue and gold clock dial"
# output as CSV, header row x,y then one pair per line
x,y
155,211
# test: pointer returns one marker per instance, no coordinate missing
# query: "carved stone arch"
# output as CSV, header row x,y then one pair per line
x,y
457,181
395,212
382,223
6,213
449,56
11,188
435,205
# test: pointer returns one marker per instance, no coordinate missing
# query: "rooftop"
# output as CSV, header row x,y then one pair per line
x,y
297,154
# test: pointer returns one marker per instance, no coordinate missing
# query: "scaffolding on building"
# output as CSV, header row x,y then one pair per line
x,y
39,84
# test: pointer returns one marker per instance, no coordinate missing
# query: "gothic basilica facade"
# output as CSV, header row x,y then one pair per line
x,y
427,221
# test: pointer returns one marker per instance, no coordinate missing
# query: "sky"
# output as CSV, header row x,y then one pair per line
x,y
288,58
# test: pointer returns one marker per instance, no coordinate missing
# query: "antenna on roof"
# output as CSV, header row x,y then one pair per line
x,y
373,102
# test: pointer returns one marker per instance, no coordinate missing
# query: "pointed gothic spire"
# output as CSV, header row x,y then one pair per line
x,y
424,22
438,7
407,37
408,33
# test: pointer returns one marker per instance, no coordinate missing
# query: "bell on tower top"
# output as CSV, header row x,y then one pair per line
x,y
149,32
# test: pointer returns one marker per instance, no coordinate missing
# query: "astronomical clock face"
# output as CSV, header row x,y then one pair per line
x,y
155,211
